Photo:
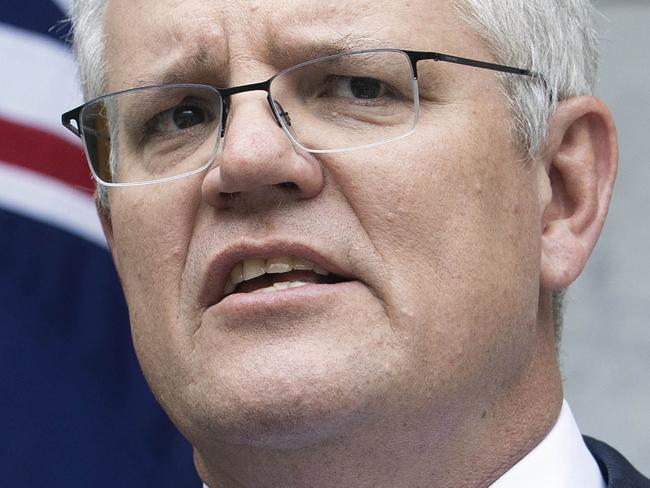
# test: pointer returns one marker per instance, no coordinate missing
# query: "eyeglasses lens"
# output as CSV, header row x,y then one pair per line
x,y
347,101
152,133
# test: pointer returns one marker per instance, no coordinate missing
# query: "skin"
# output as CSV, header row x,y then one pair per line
x,y
440,370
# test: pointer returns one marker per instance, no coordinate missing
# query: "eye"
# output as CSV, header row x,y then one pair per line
x,y
360,88
182,117
186,116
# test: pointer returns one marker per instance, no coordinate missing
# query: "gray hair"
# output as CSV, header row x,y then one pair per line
x,y
89,43
556,38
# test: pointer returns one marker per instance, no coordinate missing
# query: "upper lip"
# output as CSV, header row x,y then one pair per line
x,y
222,263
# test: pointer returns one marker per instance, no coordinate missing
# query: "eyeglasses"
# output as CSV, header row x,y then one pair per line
x,y
335,103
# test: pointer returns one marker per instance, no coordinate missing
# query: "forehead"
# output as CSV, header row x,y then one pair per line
x,y
145,37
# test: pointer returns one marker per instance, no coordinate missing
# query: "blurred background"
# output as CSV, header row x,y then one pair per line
x,y
75,406
605,352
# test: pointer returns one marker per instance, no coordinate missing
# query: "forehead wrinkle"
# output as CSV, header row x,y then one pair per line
x,y
314,29
325,13
174,46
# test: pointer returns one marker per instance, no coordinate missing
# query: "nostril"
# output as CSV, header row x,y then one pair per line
x,y
230,197
288,185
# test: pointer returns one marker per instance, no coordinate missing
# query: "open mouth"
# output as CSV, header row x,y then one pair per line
x,y
276,274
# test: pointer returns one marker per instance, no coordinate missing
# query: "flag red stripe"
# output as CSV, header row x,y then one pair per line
x,y
45,153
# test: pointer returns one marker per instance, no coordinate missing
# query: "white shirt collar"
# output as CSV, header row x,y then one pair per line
x,y
561,460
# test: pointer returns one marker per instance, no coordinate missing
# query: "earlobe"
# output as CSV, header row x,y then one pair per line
x,y
581,161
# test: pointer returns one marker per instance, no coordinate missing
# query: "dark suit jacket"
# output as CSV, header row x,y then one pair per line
x,y
618,473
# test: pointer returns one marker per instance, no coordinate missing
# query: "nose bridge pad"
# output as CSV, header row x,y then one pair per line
x,y
274,109
225,108
282,116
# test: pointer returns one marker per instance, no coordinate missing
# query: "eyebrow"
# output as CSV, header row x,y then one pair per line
x,y
184,70
285,51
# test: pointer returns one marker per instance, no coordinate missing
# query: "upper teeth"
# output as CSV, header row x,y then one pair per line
x,y
252,268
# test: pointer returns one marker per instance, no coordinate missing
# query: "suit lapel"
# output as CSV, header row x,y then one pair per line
x,y
616,470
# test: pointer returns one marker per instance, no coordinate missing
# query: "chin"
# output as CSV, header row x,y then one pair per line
x,y
278,410
292,429
283,423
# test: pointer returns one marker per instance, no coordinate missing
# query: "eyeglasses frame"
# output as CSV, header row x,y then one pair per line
x,y
72,118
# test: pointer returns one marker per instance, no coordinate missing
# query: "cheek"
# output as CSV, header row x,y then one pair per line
x,y
152,228
454,222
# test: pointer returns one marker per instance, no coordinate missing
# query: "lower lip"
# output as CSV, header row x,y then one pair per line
x,y
310,294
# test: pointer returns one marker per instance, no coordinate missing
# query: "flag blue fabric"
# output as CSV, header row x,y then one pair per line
x,y
75,409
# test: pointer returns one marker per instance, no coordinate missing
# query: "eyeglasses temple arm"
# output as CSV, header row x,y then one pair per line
x,y
417,56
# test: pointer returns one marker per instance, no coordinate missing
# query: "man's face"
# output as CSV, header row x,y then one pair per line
x,y
435,236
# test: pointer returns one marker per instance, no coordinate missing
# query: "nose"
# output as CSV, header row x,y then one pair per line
x,y
257,160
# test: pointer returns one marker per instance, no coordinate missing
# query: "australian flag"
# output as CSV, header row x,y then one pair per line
x,y
75,410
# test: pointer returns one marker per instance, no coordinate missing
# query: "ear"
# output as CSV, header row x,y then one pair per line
x,y
581,160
